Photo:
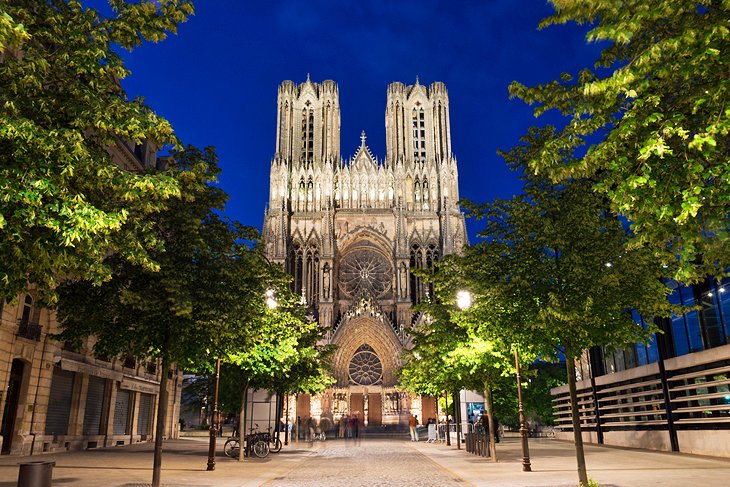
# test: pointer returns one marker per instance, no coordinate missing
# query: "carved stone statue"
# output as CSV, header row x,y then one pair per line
x,y
326,281
403,279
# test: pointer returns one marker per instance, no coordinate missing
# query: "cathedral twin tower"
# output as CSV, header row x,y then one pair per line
x,y
350,231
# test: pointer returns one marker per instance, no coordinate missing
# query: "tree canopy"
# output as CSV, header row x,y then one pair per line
x,y
556,267
64,203
206,295
655,110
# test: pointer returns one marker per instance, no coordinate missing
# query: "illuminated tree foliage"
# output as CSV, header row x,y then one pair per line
x,y
657,104
206,296
556,267
64,205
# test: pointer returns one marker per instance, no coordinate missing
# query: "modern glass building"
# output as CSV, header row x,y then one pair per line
x,y
672,394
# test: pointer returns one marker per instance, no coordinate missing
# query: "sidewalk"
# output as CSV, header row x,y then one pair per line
x,y
553,463
184,463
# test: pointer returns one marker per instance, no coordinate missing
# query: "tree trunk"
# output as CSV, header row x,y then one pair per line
x,y
448,421
490,418
277,420
160,426
575,416
242,421
457,418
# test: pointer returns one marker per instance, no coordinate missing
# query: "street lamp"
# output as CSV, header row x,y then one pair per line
x,y
463,300
270,300
523,428
215,422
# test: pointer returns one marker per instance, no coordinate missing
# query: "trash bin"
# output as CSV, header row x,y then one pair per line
x,y
36,474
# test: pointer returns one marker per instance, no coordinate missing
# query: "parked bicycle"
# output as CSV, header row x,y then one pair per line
x,y
255,443
273,441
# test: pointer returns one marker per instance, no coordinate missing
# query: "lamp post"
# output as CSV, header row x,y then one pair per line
x,y
214,424
463,301
523,428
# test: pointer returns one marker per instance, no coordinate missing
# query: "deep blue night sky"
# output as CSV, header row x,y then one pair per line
x,y
216,80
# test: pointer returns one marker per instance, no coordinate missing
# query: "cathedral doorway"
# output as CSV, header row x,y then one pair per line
x,y
375,409
357,404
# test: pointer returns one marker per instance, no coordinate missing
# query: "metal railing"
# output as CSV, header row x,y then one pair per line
x,y
29,330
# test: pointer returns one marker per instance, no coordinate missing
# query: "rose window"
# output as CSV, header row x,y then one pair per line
x,y
365,367
365,268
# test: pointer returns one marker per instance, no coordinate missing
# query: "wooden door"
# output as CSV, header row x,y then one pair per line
x,y
357,404
375,409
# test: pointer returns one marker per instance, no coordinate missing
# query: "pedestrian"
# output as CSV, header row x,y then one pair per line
x,y
235,427
343,426
311,426
413,427
485,424
355,427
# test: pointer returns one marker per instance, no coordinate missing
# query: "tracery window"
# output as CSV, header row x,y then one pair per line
x,y
422,259
304,267
364,268
365,367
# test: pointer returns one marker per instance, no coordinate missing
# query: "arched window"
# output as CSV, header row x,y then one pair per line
x,y
365,367
296,267
432,255
416,262
27,309
307,134
426,195
312,275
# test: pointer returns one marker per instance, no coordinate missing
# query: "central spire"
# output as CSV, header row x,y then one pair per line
x,y
362,138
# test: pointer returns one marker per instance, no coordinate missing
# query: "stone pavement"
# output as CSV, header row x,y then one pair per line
x,y
375,462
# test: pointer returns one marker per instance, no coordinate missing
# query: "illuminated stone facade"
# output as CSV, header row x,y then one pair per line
x,y
351,230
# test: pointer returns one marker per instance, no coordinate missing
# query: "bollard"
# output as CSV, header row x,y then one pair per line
x,y
36,474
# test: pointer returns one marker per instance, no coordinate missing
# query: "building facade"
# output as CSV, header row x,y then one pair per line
x,y
672,394
350,232
55,398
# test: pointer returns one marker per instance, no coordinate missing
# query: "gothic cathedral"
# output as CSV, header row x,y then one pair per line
x,y
350,230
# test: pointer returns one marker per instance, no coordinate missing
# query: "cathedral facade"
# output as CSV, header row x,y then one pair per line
x,y
350,232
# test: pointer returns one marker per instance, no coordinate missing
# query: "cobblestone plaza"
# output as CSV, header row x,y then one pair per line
x,y
376,462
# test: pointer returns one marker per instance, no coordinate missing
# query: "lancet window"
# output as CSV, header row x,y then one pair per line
x,y
422,258
416,281
304,267
419,135
307,134
426,195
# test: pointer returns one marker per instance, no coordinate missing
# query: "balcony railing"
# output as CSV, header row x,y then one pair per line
x,y
29,330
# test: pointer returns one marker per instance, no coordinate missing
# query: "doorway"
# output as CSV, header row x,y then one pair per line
x,y
10,412
357,404
375,409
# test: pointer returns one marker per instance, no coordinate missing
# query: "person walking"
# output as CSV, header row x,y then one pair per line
x,y
343,425
413,427
355,428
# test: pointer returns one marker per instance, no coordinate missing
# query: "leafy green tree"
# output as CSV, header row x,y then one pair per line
x,y
452,350
283,356
207,292
64,204
655,109
565,278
